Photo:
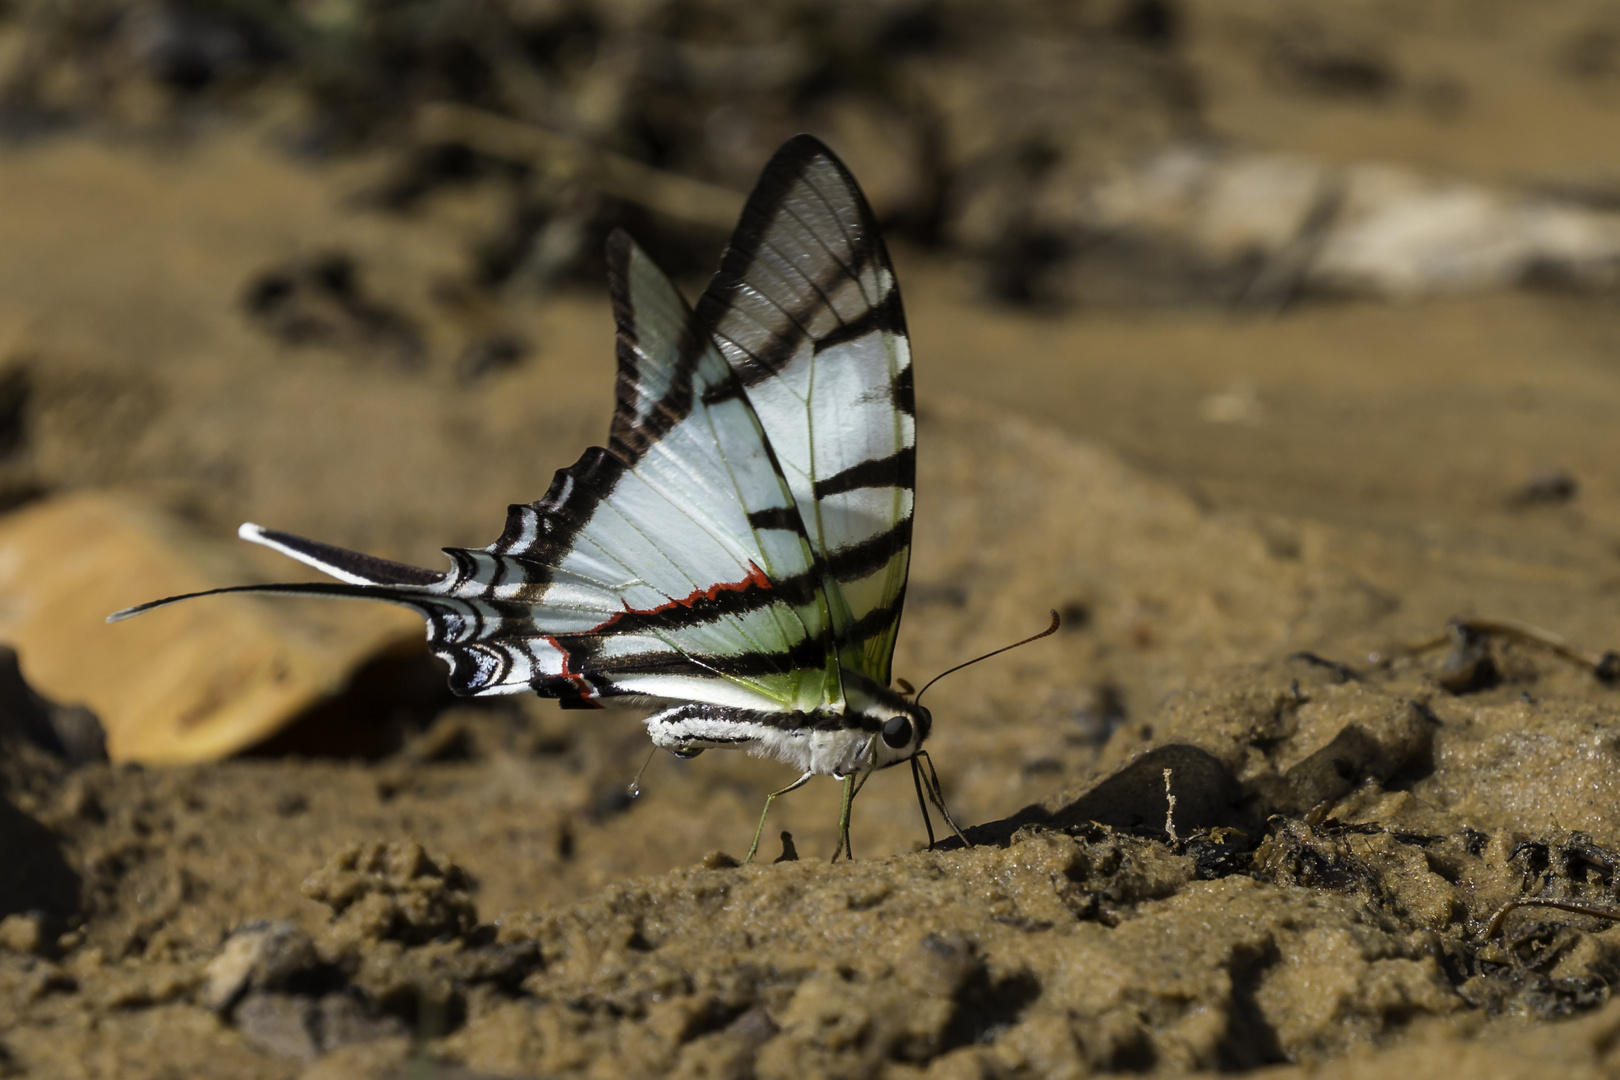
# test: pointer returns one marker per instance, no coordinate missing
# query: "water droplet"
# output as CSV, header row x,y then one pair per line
x,y
634,790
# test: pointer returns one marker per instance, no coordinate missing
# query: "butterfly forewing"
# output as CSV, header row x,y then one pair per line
x,y
806,311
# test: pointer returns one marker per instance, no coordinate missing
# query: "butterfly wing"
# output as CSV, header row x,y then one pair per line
x,y
685,520
669,565
806,311
745,536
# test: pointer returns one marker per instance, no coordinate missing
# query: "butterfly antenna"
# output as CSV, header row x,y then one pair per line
x,y
1048,632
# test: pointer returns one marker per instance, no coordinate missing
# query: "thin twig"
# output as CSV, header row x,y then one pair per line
x,y
1169,808
1494,927
1604,665
1536,635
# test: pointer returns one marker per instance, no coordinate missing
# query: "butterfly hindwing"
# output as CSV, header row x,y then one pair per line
x,y
806,310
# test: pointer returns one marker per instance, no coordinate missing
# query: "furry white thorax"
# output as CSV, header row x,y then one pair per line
x,y
829,751
825,753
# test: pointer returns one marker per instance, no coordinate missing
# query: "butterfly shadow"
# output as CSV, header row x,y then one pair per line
x,y
1134,798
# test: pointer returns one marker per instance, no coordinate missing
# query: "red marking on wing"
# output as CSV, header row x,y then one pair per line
x,y
586,690
756,579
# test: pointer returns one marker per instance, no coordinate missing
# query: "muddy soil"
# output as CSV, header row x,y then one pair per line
x,y
1301,785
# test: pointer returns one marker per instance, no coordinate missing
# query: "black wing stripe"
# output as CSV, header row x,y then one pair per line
x,y
779,721
777,517
721,393
880,317
370,567
902,391
873,622
637,425
867,557
896,470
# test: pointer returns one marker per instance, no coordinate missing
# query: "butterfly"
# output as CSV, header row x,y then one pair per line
x,y
736,557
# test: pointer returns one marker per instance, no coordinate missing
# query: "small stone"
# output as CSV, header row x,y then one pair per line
x,y
259,955
1549,487
195,682
280,1024
754,1027
345,1019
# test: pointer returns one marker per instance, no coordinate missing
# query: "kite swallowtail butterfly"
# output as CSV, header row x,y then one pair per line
x,y
736,556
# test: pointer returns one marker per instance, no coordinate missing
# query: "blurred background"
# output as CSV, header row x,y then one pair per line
x,y
204,196
1241,326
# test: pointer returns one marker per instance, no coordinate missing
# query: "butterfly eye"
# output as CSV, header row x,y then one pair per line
x,y
897,732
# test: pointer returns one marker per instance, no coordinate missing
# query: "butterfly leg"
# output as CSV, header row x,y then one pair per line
x,y
922,804
843,847
799,783
852,788
937,797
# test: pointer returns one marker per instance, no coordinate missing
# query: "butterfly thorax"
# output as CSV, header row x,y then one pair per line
x,y
873,727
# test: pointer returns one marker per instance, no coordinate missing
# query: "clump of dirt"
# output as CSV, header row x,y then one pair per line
x,y
393,892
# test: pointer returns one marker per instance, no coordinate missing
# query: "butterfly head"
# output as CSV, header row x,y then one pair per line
x,y
905,733
902,728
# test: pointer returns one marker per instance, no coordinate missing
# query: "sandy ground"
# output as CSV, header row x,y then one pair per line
x,y
1257,527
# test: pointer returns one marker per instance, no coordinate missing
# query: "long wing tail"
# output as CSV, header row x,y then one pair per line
x,y
349,566
364,576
